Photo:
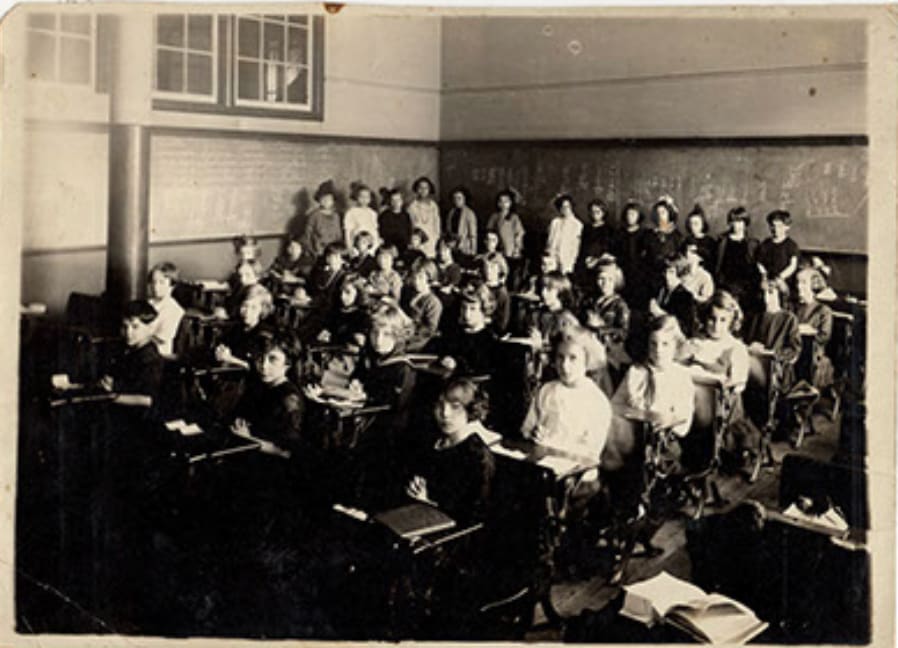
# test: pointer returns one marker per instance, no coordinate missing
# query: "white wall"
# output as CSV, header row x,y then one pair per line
x,y
538,77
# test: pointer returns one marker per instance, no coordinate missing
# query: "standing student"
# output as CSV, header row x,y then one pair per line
x,y
160,285
630,253
394,223
324,222
778,254
565,232
664,239
736,270
507,225
425,213
697,234
461,222
360,217
598,240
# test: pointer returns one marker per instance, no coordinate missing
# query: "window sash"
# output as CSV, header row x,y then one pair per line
x,y
58,34
185,51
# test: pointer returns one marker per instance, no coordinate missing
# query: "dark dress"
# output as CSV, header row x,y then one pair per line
x,y
501,318
660,245
138,371
630,253
459,478
736,268
395,228
274,413
774,257
707,250
595,241
475,354
681,304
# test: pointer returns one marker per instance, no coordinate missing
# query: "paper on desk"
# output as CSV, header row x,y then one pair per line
x,y
212,285
185,428
175,425
487,436
829,519
60,381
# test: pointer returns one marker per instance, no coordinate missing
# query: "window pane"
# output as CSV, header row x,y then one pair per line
x,y
298,86
42,20
75,60
248,36
170,30
75,24
299,20
169,71
199,33
248,80
274,42
297,46
274,82
41,56
199,74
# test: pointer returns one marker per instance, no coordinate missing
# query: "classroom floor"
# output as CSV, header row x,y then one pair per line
x,y
573,598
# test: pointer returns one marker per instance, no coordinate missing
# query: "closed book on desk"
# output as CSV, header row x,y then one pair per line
x,y
415,520
709,618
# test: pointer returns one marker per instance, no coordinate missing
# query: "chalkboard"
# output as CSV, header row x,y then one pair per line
x,y
211,186
823,185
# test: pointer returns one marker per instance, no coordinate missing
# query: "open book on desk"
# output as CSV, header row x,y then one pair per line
x,y
709,618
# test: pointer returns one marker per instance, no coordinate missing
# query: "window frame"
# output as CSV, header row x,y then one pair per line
x,y
58,34
185,51
225,72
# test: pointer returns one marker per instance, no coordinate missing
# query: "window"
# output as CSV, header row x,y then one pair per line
x,y
185,56
247,64
61,47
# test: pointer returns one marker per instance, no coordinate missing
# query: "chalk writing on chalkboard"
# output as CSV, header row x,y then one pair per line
x,y
823,186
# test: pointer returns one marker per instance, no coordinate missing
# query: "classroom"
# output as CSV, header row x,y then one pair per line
x,y
393,324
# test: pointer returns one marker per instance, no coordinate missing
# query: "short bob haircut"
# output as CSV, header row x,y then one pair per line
x,y
635,206
669,206
428,181
335,247
361,236
739,213
479,293
559,201
699,212
358,187
286,341
167,269
724,300
556,280
421,234
470,396
389,250
576,335
326,188
608,265
664,325
463,191
449,241
139,309
779,215
262,294
427,267
389,316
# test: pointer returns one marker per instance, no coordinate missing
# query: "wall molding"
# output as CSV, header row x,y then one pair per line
x,y
649,142
193,131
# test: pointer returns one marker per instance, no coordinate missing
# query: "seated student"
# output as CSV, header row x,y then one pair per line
x,y
494,278
347,320
360,217
271,407
136,375
247,274
674,299
570,413
697,234
548,263
326,276
778,254
556,299
716,350
694,277
598,239
247,248
415,250
608,315
385,281
775,328
565,232
449,271
491,249
363,259
292,264
160,284
421,304
238,345
455,472
470,347
660,385
816,320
